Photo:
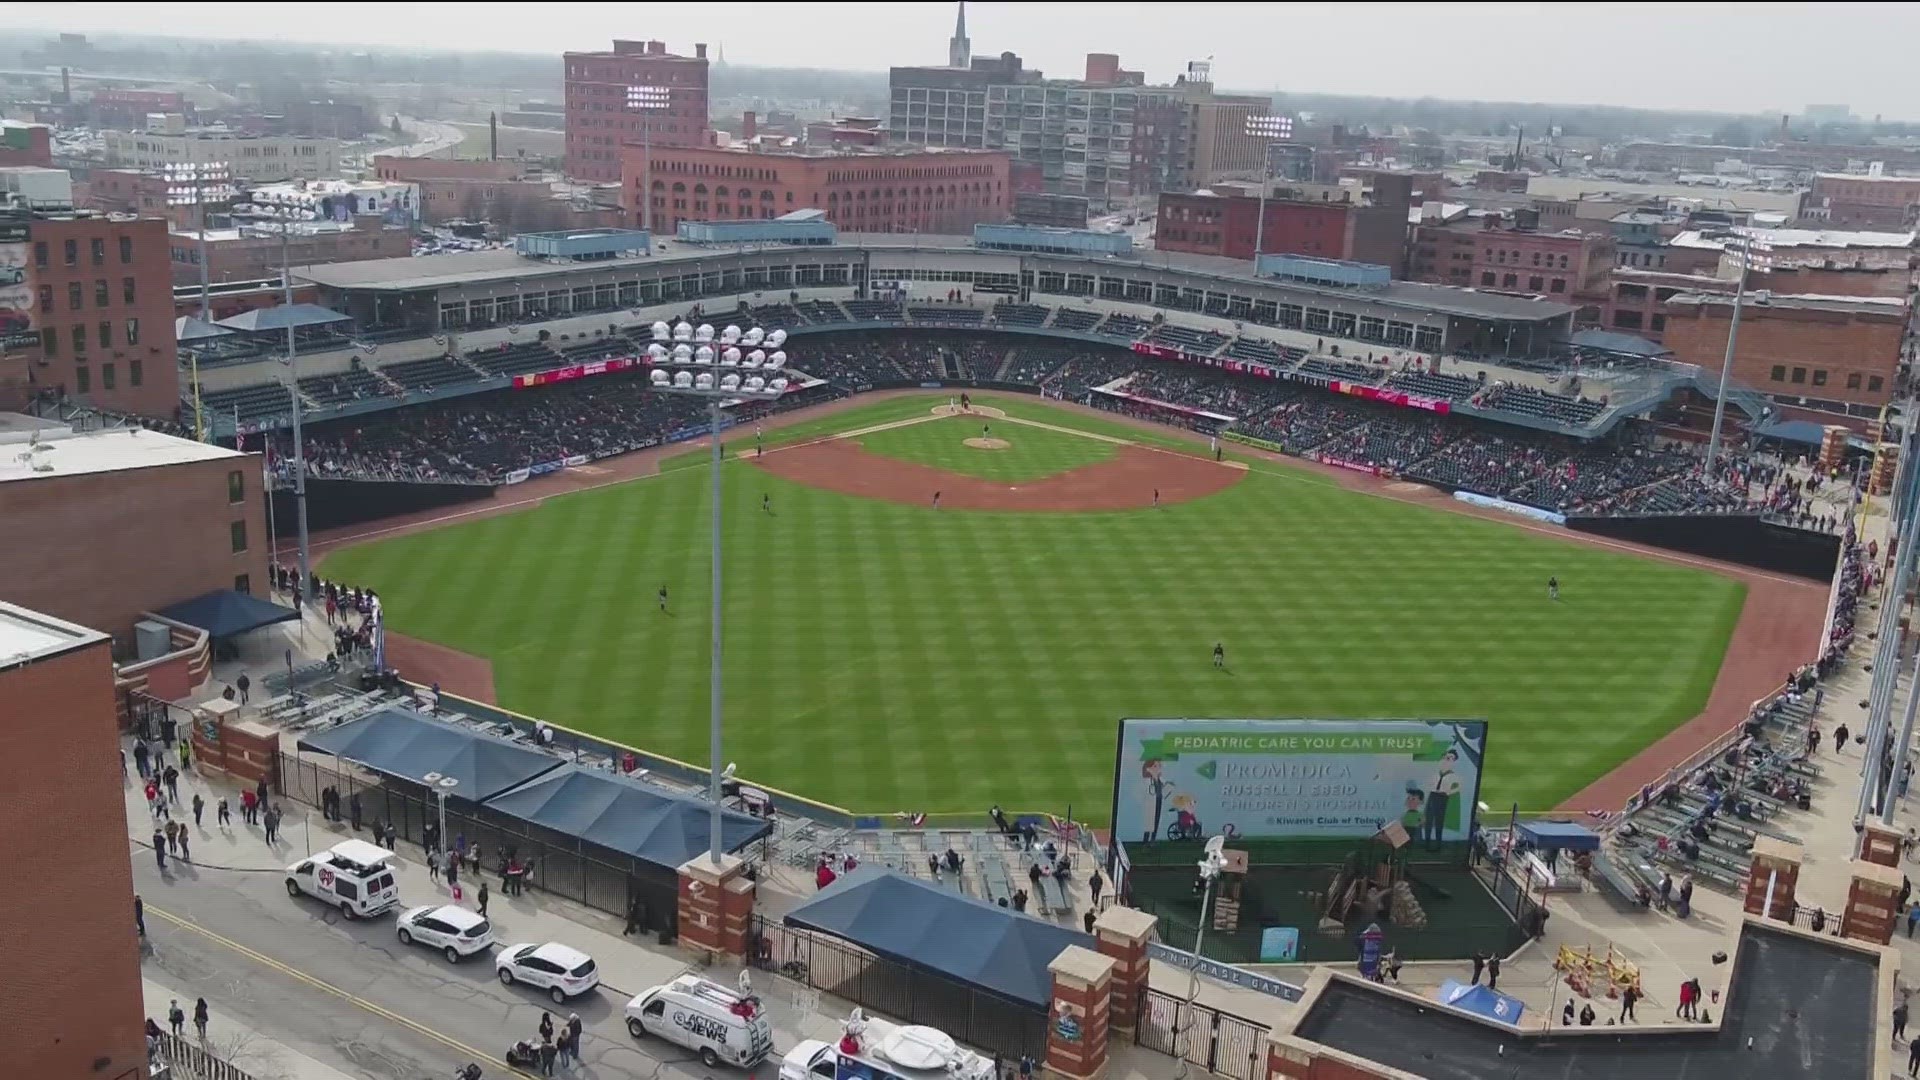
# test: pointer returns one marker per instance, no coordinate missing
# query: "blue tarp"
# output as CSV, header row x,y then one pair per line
x,y
625,815
1615,342
225,613
405,744
1481,1001
1565,835
935,929
1800,431
281,316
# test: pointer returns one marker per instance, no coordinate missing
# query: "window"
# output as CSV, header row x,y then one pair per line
x,y
243,584
79,333
107,376
1487,278
106,335
136,373
1658,322
237,532
82,380
1779,373
126,250
99,251
1626,319
99,292
133,331
46,298
1510,281
1873,382
236,486
1819,377
1799,375
39,253
1853,381
72,252
126,290
1536,284
76,296
1558,285
50,341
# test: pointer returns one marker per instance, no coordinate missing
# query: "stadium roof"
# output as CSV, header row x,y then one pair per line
x,y
502,265
405,744
60,451
224,613
936,929
281,316
1806,1006
625,815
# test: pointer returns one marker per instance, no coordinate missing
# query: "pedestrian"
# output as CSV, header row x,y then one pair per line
x,y
1553,588
173,784
176,1018
1219,655
199,804
1900,1020
139,915
1493,972
1627,998
140,759
1479,966
1913,918
247,806
636,916
167,728
1685,1011
353,810
936,500
153,799
1913,1058
663,598
433,866
1156,496
243,683
186,754
222,813
453,874
482,898
546,1026
185,855
1566,1014
393,836
260,793
1087,920
173,838
1666,890
1840,738
273,824
766,504
1686,896
574,1027
547,1052
160,849
473,859
200,1016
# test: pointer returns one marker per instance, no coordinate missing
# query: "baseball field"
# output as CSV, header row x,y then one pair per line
x,y
884,655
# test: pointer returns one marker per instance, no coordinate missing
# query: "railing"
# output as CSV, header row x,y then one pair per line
x,y
187,1060
1217,1041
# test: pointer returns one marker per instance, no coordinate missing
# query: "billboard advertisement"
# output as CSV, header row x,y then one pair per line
x,y
1187,779
16,296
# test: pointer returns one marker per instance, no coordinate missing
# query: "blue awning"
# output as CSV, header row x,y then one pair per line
x,y
625,815
1481,1001
922,925
1565,835
281,316
225,613
1614,342
463,763
1799,431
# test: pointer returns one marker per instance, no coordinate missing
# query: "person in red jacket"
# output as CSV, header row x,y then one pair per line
x,y
1685,1011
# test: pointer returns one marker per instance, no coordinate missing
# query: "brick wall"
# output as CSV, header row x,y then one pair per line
x,y
1793,351
70,897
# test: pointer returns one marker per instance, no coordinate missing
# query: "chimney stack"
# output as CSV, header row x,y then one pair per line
x,y
493,136
700,51
749,125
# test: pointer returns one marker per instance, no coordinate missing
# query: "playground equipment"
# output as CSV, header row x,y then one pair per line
x,y
1583,969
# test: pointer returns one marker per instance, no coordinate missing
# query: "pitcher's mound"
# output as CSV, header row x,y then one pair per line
x,y
989,444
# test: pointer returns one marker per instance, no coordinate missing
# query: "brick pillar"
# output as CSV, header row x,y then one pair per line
x,y
1077,1019
715,906
1122,934
1287,1062
1880,844
1775,861
1873,903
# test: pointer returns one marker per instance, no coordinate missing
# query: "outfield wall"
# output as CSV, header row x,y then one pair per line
x,y
334,503
1743,539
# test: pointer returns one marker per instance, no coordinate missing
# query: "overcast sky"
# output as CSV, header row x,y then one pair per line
x,y
1737,57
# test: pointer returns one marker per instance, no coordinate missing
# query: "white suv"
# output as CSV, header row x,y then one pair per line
x,y
452,929
563,972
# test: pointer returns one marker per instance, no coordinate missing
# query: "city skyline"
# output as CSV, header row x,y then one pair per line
x,y
1706,56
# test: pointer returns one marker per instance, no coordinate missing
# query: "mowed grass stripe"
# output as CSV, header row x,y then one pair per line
x,y
888,657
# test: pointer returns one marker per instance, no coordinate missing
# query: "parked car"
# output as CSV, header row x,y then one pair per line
x,y
450,928
561,971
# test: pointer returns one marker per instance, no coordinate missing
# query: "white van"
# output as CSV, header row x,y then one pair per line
x,y
352,875
720,1024
885,1051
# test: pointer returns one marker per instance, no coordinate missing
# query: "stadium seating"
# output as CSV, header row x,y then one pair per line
x,y
821,312
1345,370
1030,315
947,315
1254,349
1187,339
1075,320
250,403
586,352
429,373
1125,327
874,310
1446,387
1530,401
518,358
342,387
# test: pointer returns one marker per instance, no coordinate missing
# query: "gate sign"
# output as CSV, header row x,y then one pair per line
x,y
1190,779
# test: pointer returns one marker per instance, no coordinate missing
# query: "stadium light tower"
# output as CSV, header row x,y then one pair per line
x,y
198,185
739,366
1747,247
647,99
1214,861
1270,130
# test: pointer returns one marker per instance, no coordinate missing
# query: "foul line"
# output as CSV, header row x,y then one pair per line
x,y
319,984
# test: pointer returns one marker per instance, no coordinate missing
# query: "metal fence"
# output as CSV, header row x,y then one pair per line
x,y
1520,904
836,967
186,1060
1216,1041
559,864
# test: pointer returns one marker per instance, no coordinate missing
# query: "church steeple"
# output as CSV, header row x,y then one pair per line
x,y
959,49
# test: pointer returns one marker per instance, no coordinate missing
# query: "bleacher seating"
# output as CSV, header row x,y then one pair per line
x,y
1019,314
518,358
342,387
821,312
434,371
1187,339
1254,349
1075,320
773,317
1344,370
586,352
250,403
1032,361
947,315
874,310
1454,387
1124,327
1531,401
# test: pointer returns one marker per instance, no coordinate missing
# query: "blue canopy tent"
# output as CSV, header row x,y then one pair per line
x,y
1796,431
1611,341
278,318
934,929
1564,835
224,613
462,763
624,815
1480,1001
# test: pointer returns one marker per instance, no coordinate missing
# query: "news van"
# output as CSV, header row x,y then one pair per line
x,y
719,1024
352,875
878,1050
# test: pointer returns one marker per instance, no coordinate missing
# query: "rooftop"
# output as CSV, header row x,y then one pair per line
x,y
27,635
1877,305
1872,178
58,450
1789,238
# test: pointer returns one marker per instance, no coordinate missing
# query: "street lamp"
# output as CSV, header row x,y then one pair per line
x,y
198,185
647,99
1211,864
745,366
1733,333
1270,130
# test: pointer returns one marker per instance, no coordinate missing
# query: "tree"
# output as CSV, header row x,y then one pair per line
x,y
395,126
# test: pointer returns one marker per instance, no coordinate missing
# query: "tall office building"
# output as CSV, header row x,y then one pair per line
x,y
599,122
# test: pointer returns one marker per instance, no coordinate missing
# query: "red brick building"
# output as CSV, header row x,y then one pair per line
x,y
25,144
1203,223
1839,349
142,521
414,170
255,251
930,191
1568,264
58,686
1637,299
599,121
101,301
1861,201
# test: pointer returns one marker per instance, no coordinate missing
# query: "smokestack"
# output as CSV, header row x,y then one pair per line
x,y
749,125
66,84
700,51
493,136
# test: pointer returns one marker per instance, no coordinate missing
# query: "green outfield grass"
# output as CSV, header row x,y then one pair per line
x,y
1034,452
887,657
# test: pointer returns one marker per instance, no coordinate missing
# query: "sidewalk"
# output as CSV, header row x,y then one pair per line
x,y
233,1042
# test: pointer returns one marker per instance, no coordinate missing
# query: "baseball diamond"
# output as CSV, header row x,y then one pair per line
x,y
885,654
